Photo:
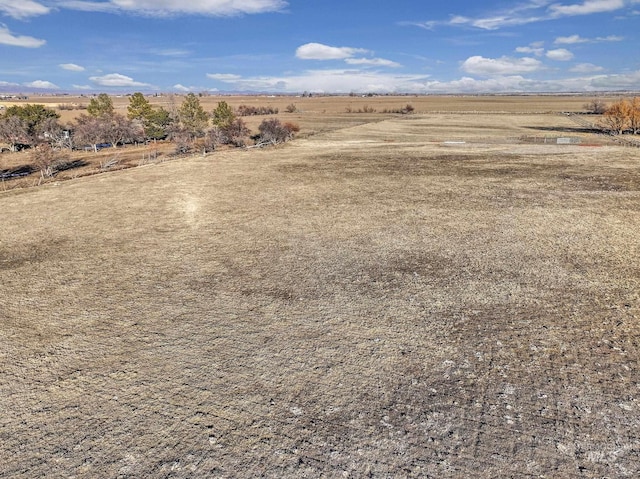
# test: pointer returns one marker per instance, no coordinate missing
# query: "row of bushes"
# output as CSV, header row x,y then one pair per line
x,y
247,110
405,110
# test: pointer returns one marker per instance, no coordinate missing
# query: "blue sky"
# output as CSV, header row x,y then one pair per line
x,y
332,46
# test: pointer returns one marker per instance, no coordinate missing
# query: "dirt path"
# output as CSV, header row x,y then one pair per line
x,y
370,302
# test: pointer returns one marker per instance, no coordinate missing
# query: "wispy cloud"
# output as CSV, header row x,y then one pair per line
x,y
587,7
8,38
172,52
378,62
586,68
225,77
22,9
535,48
529,12
163,8
72,67
574,39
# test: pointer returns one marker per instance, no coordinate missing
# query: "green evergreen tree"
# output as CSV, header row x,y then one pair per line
x,y
154,121
34,117
223,115
139,107
193,118
157,124
101,106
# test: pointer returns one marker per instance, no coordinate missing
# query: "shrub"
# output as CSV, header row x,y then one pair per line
x,y
402,111
46,159
247,110
273,132
291,108
364,109
292,127
236,132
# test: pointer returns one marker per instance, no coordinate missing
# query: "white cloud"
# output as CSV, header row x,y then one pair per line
x,y
318,51
8,38
560,55
6,83
535,48
334,81
586,8
380,62
573,39
117,80
627,81
72,67
504,84
345,81
82,87
226,77
514,84
586,68
46,85
479,65
23,8
161,8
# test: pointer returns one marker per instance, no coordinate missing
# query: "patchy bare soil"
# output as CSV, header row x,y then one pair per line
x,y
377,301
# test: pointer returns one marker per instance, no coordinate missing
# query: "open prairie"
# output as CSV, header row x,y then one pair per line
x,y
444,295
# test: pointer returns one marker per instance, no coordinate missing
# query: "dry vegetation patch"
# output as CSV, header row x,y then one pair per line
x,y
341,306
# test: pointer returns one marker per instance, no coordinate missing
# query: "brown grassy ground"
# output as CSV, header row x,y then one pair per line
x,y
366,302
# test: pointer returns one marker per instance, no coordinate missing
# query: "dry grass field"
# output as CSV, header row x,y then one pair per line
x,y
415,296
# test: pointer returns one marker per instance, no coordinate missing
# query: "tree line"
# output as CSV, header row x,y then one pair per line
x,y
623,116
188,126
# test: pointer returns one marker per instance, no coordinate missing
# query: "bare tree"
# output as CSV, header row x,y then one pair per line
x,y
596,107
14,131
55,134
45,159
118,130
89,130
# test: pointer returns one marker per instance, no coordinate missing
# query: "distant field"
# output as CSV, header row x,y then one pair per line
x,y
337,104
323,114
432,295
